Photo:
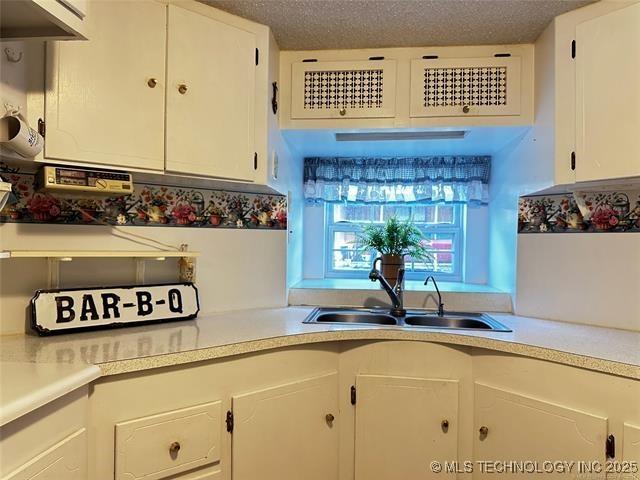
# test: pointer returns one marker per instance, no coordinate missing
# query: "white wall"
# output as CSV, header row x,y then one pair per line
x,y
591,278
285,174
237,269
523,166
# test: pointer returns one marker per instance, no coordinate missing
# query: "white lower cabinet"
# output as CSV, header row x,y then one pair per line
x,y
631,444
403,424
66,460
287,431
519,428
169,443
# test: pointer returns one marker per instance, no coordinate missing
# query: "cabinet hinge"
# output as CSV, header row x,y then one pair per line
x,y
229,421
610,447
42,127
255,160
257,56
573,160
353,394
573,49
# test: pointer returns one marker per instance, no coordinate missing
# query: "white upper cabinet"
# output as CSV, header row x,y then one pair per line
x,y
444,87
402,425
211,85
104,98
43,19
365,89
607,96
417,87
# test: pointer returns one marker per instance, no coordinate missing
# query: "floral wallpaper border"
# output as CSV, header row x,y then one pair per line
x,y
149,205
580,212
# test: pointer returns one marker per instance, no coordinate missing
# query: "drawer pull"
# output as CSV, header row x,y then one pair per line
x,y
484,431
329,418
182,89
152,82
445,425
174,448
343,112
466,109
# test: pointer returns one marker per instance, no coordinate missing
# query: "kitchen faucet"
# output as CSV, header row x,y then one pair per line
x,y
395,292
440,304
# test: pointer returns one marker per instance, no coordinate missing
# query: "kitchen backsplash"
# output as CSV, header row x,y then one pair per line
x,y
149,205
614,211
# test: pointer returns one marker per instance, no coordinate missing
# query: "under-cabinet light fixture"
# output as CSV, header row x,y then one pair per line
x,y
387,136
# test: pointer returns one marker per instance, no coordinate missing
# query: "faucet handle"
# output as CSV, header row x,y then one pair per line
x,y
400,277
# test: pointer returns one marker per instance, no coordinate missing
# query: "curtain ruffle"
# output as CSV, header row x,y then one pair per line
x,y
462,179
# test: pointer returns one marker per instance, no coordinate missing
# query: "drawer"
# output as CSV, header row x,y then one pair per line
x,y
67,459
168,443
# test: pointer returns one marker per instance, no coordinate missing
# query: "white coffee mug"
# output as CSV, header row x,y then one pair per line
x,y
20,137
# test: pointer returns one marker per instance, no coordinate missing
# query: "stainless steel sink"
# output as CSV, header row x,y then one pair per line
x,y
457,321
323,315
413,319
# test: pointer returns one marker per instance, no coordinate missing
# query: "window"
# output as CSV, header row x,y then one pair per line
x,y
441,226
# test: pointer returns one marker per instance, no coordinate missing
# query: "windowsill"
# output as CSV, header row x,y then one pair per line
x,y
410,285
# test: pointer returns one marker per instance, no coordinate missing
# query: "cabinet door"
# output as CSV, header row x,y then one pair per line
x,y
521,428
102,105
210,97
282,432
631,444
65,460
399,426
343,89
458,87
607,96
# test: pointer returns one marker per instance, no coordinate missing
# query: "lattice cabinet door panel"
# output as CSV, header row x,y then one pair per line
x,y
459,87
365,89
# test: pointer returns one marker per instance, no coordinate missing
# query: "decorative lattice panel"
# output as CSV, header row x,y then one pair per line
x,y
474,86
343,89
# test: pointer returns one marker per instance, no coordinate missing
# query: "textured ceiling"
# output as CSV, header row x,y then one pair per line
x,y
338,24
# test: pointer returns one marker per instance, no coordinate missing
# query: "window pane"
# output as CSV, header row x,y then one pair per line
x,y
441,249
402,213
347,220
445,214
356,213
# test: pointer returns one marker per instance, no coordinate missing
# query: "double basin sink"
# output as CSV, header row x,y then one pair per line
x,y
413,318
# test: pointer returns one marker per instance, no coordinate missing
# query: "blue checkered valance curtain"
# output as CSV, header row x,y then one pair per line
x,y
462,179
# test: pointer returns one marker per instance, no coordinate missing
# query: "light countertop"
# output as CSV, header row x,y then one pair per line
x,y
246,331
25,386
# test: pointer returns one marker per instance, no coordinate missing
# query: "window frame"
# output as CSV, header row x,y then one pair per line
x,y
456,230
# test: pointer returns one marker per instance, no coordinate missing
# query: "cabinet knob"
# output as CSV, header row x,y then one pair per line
x,y
182,89
343,112
445,425
152,82
174,448
484,431
329,418
466,109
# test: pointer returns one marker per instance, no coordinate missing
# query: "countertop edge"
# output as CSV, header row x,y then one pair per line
x,y
253,346
44,395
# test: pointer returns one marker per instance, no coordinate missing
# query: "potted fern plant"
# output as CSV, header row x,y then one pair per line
x,y
393,241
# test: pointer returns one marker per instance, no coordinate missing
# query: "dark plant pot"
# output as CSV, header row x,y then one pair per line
x,y
390,266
